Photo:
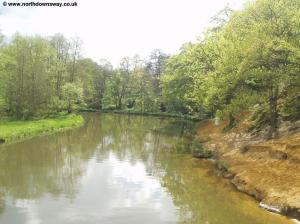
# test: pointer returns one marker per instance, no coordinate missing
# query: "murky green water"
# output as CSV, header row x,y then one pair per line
x,y
118,169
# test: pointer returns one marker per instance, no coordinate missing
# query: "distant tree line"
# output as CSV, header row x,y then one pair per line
x,y
41,76
247,60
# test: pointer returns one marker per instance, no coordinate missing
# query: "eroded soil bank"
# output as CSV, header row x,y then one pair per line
x,y
267,170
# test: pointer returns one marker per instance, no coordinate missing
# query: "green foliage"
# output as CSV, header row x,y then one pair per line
x,y
251,57
198,150
71,95
290,107
223,167
247,57
26,65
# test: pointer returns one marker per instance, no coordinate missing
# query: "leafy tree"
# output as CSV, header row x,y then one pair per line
x,y
270,63
72,95
2,105
100,75
75,54
155,67
61,60
247,59
27,76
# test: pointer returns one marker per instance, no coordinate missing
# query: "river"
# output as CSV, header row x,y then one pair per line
x,y
119,169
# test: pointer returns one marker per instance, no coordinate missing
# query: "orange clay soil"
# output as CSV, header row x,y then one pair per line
x,y
267,170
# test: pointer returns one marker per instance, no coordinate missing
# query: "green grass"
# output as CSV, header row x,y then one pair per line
x,y
15,130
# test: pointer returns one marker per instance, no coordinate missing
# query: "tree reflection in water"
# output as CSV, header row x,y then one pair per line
x,y
55,165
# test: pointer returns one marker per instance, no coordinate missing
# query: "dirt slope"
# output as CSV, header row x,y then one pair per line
x,y
267,170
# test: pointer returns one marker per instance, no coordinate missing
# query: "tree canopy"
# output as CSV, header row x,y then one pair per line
x,y
249,58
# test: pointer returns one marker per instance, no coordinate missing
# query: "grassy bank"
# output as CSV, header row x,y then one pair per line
x,y
14,130
155,114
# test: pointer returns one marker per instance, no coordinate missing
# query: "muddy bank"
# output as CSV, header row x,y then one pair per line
x,y
266,170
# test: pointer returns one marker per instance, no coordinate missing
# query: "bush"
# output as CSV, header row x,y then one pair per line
x,y
221,165
199,151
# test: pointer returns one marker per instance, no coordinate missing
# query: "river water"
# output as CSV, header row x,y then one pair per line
x,y
119,169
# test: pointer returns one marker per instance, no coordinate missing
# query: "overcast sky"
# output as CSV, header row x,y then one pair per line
x,y
113,29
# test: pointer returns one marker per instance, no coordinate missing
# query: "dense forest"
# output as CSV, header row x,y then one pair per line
x,y
247,60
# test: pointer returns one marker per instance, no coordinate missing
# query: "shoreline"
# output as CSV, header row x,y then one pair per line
x,y
258,167
12,131
233,145
154,114
227,155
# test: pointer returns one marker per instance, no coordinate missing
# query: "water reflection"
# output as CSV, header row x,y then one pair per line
x,y
118,169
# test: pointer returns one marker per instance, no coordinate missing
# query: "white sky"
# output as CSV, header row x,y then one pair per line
x,y
113,29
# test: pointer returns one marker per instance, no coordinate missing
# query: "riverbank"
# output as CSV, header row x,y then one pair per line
x,y
154,114
266,170
16,130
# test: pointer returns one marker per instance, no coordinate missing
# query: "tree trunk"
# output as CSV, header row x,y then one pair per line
x,y
273,119
231,121
69,108
119,106
100,104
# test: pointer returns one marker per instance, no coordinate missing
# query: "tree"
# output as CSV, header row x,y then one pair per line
x,y
246,59
72,95
99,76
75,51
61,60
177,83
155,67
2,87
120,82
271,62
27,76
